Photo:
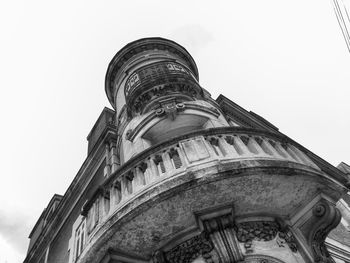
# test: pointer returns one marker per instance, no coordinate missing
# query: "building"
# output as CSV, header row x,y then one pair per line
x,y
173,175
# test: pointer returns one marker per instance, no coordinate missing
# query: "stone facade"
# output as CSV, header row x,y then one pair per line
x,y
174,176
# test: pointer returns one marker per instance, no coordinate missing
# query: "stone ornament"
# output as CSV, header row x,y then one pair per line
x,y
264,231
189,250
261,259
326,218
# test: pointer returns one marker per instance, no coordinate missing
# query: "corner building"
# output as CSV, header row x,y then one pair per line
x,y
174,176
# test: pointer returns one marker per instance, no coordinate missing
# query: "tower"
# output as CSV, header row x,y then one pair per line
x,y
173,175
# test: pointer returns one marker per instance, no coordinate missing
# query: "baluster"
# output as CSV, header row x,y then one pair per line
x,y
175,158
210,147
152,170
107,168
100,209
124,187
148,173
226,148
230,140
135,181
141,172
283,152
305,159
276,149
214,141
291,152
182,155
254,146
128,181
240,145
112,197
115,194
105,203
167,162
114,162
158,160
268,147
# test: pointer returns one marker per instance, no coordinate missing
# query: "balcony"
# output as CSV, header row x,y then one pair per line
x,y
255,159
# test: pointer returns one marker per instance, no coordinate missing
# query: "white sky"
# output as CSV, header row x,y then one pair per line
x,y
285,60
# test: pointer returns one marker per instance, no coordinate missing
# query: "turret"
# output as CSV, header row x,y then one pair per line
x,y
153,85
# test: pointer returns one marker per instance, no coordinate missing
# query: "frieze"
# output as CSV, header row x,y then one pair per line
x,y
261,259
264,231
189,250
257,230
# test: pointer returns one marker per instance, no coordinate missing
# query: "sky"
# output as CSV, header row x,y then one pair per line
x,y
285,60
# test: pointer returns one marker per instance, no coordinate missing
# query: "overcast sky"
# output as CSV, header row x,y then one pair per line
x,y
285,60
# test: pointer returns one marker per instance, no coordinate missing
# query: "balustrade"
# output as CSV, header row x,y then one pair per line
x,y
141,174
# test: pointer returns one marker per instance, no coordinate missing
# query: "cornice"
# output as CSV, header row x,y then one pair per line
x,y
242,116
65,207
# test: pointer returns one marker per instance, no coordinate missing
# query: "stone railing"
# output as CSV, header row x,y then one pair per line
x,y
178,155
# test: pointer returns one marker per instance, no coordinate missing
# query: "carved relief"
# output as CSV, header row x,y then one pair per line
x,y
170,109
188,251
261,259
139,102
219,225
264,231
258,230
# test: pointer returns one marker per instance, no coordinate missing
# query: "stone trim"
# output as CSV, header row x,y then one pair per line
x,y
162,114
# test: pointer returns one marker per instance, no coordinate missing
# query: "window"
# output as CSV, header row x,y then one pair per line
x,y
92,217
79,239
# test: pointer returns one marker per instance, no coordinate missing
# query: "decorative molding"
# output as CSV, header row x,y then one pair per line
x,y
143,97
218,223
261,259
265,231
325,217
139,46
187,251
163,112
257,230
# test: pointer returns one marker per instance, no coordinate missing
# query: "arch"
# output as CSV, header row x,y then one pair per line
x,y
261,259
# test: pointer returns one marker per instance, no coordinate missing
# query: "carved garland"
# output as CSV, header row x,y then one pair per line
x,y
263,231
187,251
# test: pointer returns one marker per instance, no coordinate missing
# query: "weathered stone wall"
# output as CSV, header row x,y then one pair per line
x,y
58,252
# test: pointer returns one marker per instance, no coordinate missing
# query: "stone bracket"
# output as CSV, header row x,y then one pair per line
x,y
219,225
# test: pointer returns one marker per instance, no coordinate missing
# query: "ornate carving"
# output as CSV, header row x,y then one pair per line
x,y
189,250
327,217
289,239
263,231
139,102
220,227
158,257
128,134
257,230
261,259
112,70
